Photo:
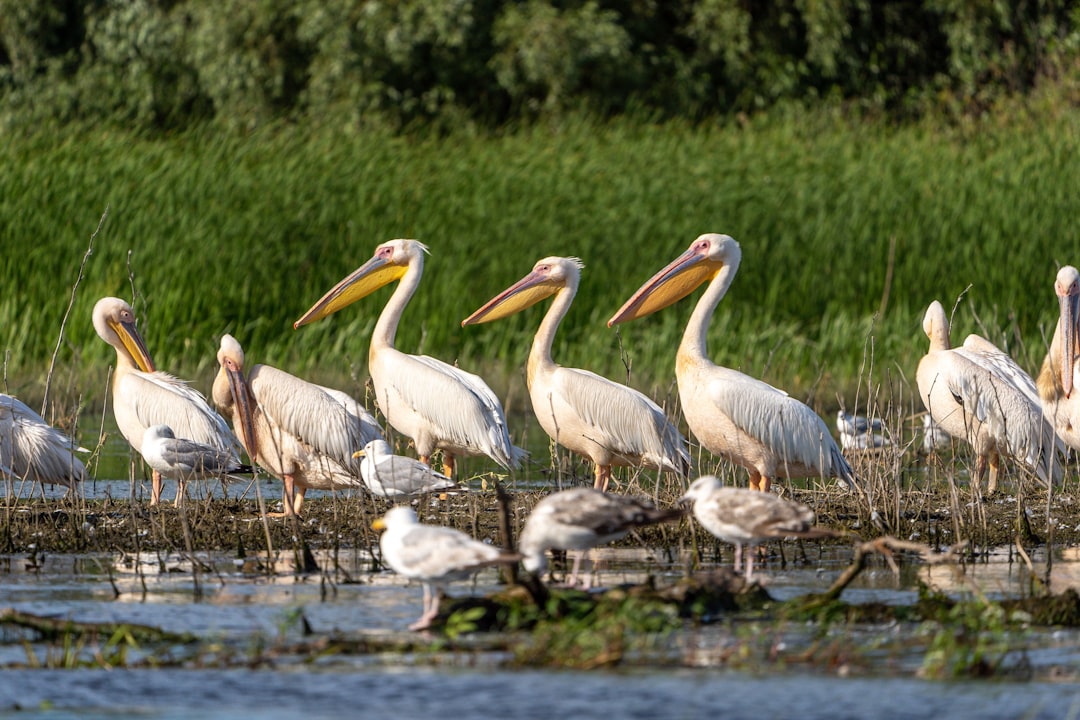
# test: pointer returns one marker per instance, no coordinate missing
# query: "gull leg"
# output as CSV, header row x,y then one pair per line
x,y
155,488
738,557
749,566
181,492
431,608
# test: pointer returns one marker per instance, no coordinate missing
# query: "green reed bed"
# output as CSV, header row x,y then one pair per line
x,y
848,231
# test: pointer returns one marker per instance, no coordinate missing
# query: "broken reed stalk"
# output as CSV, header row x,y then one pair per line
x,y
51,628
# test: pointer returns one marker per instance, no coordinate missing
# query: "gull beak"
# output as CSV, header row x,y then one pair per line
x,y
379,524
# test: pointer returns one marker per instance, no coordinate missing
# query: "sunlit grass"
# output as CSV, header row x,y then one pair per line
x,y
242,235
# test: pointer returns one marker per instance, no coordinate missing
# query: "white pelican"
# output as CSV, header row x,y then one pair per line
x,y
609,423
184,460
300,432
745,517
1061,369
32,449
433,555
978,394
749,422
581,519
435,404
395,476
143,396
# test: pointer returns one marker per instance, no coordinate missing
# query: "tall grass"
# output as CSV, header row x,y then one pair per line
x,y
242,234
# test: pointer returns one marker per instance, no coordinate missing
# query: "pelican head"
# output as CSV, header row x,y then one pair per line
x,y
1067,288
548,277
701,262
230,358
114,321
936,326
389,263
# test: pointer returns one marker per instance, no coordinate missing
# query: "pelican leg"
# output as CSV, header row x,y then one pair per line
x,y
980,472
155,488
298,499
288,498
448,465
995,468
603,477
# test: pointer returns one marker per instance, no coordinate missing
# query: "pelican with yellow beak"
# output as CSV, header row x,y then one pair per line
x,y
300,432
733,415
1061,368
609,423
437,405
144,396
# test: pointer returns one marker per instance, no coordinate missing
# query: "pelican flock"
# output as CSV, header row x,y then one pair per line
x,y
733,415
978,394
303,433
144,396
438,406
609,423
311,436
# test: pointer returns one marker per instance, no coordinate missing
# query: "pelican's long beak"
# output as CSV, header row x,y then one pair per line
x,y
526,292
133,342
366,279
680,278
1070,313
379,524
241,396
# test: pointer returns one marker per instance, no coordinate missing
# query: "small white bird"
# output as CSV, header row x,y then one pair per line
x,y
580,519
748,517
858,432
433,555
395,476
30,448
184,460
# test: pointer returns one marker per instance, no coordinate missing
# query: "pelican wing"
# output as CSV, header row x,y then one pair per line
x,y
1008,414
311,414
159,398
622,419
788,427
986,355
460,407
32,448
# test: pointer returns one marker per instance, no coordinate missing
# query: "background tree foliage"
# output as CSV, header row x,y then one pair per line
x,y
165,64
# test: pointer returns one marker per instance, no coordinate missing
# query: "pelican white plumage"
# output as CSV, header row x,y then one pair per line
x,y
300,432
395,476
743,419
433,555
32,449
745,517
609,423
978,394
581,519
144,397
1060,371
438,406
184,460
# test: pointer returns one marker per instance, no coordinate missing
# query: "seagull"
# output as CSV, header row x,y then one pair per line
x,y
433,555
748,517
858,432
184,460
395,476
580,519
